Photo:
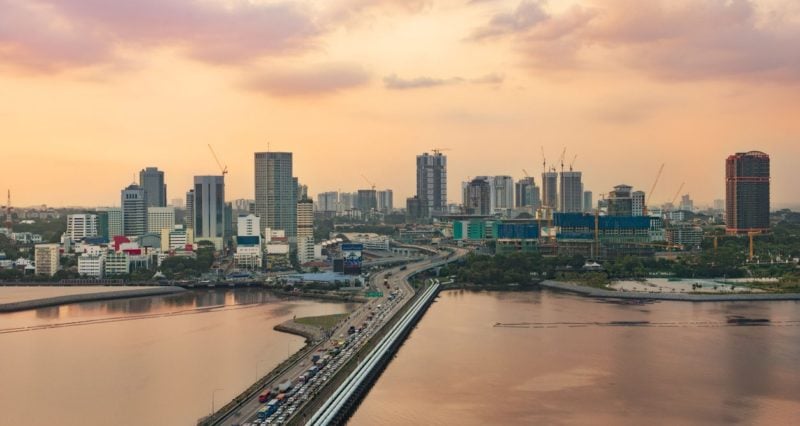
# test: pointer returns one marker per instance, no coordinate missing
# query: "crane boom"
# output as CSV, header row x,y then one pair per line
x,y
222,168
544,161
572,163
369,182
678,192
653,188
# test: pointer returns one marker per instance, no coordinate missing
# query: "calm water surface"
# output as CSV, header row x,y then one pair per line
x,y
559,359
149,361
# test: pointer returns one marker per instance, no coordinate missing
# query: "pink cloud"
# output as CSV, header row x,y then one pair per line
x,y
55,34
313,80
676,39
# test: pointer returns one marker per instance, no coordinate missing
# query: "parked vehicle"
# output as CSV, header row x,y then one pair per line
x,y
264,397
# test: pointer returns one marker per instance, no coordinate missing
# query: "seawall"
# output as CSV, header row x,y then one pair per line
x,y
94,297
676,297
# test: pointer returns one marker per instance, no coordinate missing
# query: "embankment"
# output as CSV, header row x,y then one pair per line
x,y
91,297
678,297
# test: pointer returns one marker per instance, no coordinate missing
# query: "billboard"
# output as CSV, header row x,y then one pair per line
x,y
352,257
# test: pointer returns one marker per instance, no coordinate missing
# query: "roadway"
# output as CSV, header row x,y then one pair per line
x,y
383,310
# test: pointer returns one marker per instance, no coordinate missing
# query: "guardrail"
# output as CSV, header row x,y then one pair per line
x,y
337,407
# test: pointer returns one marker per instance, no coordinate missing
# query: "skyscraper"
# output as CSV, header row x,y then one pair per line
x,y
209,209
502,193
134,211
386,201
328,201
432,183
571,194
305,231
276,192
747,186
588,203
189,217
527,193
367,200
155,190
160,218
479,197
620,201
550,190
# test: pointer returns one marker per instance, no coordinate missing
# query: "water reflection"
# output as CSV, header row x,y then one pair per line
x,y
550,358
148,361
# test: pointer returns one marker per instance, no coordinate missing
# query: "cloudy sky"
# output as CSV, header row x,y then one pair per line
x,y
94,90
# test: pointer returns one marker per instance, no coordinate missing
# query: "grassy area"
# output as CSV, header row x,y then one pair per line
x,y
325,322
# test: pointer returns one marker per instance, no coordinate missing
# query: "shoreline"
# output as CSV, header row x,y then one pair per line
x,y
672,297
91,297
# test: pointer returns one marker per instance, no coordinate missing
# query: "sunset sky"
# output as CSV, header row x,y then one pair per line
x,y
94,90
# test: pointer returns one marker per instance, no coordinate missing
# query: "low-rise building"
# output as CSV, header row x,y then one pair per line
x,y
116,264
90,265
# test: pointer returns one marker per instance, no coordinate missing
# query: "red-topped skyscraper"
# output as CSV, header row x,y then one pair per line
x,y
747,192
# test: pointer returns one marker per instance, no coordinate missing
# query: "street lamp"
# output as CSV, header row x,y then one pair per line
x,y
213,394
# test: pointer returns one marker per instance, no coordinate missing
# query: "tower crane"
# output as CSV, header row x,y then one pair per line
x,y
572,163
369,182
224,169
563,153
544,162
675,198
438,151
653,188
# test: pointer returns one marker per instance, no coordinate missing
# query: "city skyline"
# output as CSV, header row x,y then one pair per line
x,y
157,98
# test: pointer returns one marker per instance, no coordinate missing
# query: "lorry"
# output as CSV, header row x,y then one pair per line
x,y
285,386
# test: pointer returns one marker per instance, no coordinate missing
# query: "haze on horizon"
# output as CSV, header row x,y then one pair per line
x,y
94,91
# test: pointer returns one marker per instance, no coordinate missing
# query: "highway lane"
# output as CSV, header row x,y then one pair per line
x,y
397,278
383,308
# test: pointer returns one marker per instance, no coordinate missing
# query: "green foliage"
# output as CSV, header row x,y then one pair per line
x,y
8,247
50,229
185,267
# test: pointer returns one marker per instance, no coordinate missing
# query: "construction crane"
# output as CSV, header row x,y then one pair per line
x,y
8,212
224,169
369,182
563,153
572,163
544,162
678,192
527,175
438,151
653,188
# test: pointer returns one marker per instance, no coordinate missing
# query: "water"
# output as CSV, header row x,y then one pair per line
x,y
148,361
565,360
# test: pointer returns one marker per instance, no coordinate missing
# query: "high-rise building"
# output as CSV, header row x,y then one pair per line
x,y
386,201
527,193
276,192
155,190
302,191
188,220
134,211
620,201
638,203
502,193
305,231
328,201
178,203
347,201
432,183
719,205
550,190
160,218
571,193
109,222
413,208
479,197
687,203
367,200
747,192
209,209
80,226
47,258
588,202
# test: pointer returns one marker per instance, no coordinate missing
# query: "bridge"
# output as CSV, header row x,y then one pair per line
x,y
339,406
